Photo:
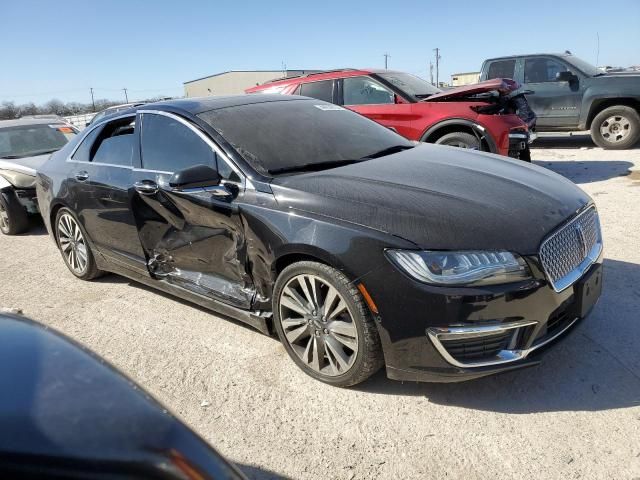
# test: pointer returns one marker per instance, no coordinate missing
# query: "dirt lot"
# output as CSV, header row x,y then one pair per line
x,y
575,416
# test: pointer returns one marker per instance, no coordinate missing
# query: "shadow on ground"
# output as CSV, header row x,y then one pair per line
x,y
587,171
255,473
597,367
560,140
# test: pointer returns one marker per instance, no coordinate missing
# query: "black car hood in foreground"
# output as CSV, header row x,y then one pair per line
x,y
441,198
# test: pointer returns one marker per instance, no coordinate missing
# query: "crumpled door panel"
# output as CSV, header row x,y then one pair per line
x,y
196,241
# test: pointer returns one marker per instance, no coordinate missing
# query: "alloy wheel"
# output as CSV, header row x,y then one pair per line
x,y
72,244
4,218
318,325
615,128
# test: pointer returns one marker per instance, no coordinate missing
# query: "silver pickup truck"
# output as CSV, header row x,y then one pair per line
x,y
25,144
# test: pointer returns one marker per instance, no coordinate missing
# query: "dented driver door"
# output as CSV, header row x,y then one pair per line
x,y
192,237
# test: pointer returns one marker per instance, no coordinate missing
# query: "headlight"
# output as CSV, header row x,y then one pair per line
x,y
461,268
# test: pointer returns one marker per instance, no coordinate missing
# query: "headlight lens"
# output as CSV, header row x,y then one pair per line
x,y
461,268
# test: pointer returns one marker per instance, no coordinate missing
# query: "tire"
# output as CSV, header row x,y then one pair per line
x,y
340,344
459,139
74,246
616,128
14,218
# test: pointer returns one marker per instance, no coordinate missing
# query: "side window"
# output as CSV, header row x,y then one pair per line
x,y
112,144
364,91
501,69
83,152
322,90
170,146
540,70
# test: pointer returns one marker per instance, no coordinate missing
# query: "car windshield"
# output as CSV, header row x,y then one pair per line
x,y
298,135
29,140
414,86
583,66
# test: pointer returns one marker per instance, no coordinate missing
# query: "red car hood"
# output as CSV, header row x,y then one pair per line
x,y
502,85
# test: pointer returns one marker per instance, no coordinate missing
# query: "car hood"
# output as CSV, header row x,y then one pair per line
x,y
26,165
440,198
504,86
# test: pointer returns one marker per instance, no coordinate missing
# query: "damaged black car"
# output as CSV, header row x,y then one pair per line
x,y
357,247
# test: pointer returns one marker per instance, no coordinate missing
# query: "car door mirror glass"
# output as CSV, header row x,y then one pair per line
x,y
198,176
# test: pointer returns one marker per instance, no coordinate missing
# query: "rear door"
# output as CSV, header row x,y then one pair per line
x,y
191,238
98,184
556,103
370,98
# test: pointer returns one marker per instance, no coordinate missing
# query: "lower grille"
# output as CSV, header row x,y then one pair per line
x,y
478,348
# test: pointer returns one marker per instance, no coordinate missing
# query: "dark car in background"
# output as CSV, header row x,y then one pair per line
x,y
356,246
567,93
25,144
482,116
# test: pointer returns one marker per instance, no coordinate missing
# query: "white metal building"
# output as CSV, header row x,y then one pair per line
x,y
466,78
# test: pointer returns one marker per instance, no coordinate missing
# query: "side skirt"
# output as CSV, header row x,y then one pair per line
x,y
260,320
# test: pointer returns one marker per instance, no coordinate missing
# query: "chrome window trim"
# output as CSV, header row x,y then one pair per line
x,y
504,356
244,179
591,257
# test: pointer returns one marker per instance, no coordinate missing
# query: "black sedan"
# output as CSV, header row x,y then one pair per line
x,y
358,247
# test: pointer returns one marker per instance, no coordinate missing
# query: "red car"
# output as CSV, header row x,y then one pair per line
x,y
480,116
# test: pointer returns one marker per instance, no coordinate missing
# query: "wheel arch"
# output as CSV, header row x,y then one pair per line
x,y
434,132
599,104
297,253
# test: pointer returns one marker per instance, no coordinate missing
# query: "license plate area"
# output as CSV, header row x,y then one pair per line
x,y
588,290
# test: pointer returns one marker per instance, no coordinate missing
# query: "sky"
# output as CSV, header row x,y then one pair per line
x,y
61,49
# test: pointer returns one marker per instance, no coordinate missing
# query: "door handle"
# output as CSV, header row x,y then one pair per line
x,y
146,187
82,176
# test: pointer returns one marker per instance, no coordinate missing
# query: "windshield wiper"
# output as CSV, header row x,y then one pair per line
x,y
314,166
388,151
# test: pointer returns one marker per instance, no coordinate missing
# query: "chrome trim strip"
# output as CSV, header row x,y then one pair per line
x,y
504,356
592,257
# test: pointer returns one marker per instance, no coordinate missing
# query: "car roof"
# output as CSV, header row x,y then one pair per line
x,y
324,75
198,105
31,121
529,55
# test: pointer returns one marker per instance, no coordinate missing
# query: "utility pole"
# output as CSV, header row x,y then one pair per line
x,y
386,60
438,57
92,101
126,97
431,72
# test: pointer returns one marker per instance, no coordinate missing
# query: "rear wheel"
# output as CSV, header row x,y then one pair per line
x,y
324,324
14,218
616,128
74,247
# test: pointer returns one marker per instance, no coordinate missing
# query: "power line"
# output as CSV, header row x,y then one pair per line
x,y
438,57
126,97
386,59
93,103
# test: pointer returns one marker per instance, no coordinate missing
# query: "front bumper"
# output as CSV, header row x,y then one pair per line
x,y
444,334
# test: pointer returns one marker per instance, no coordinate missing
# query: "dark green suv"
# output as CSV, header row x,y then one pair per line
x,y
568,94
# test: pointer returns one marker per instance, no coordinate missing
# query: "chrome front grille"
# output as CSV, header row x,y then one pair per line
x,y
568,252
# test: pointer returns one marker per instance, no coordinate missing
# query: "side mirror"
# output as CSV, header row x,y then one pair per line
x,y
396,99
199,176
565,76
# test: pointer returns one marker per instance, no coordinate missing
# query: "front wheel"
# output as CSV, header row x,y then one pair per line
x,y
616,128
324,324
459,139
14,218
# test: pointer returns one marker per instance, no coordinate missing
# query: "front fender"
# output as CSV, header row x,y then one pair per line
x,y
595,94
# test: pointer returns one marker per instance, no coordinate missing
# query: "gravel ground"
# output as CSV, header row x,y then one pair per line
x,y
575,416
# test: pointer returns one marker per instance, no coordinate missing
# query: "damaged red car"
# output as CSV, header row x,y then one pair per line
x,y
486,116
